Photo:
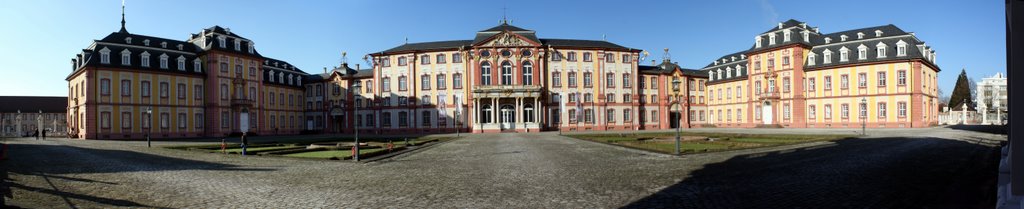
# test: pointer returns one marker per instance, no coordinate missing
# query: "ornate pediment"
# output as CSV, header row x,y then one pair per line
x,y
507,39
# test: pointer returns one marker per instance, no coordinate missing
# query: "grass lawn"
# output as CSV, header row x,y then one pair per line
x,y
330,153
724,141
263,149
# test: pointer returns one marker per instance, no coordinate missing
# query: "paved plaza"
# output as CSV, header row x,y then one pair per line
x,y
896,168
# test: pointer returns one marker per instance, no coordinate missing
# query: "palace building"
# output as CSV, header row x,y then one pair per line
x,y
796,76
213,84
504,79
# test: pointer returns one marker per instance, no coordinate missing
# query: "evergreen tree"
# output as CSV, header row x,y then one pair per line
x,y
961,93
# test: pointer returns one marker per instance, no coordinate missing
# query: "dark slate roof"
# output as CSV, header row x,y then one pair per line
x,y
740,57
796,29
504,27
737,74
117,42
582,43
454,44
788,23
667,67
485,35
32,104
281,69
211,42
343,70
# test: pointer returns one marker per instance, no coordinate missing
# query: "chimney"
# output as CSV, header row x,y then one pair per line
x,y
652,62
325,70
816,30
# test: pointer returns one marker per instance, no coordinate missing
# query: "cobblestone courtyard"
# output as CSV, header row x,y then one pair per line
x,y
936,167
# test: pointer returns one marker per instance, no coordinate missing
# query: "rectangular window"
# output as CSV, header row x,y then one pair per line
x,y
556,79
901,109
164,89
403,119
457,58
199,120
441,82
441,59
457,81
610,97
881,79
610,115
828,111
654,116
587,57
199,93
901,77
126,88
626,58
609,57
627,115
425,82
862,80
105,87
425,59
182,120
609,80
105,120
654,82
828,83
126,120
224,120
181,91
785,111
863,110
844,81
627,98
588,116
588,80
785,84
811,111
845,111
572,79
626,81
402,83
881,110
165,120
810,84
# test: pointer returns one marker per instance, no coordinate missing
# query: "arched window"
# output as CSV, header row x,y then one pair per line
x,y
527,73
485,73
528,113
485,114
506,73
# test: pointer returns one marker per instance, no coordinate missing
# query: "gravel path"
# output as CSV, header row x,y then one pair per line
x,y
908,168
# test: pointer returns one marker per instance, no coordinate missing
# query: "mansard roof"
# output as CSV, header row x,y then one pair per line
x,y
487,34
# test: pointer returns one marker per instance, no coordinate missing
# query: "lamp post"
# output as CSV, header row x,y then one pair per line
x,y
149,114
679,123
864,117
355,147
39,125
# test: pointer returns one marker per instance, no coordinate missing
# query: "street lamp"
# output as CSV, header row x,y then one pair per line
x,y
864,117
679,118
355,155
39,125
149,117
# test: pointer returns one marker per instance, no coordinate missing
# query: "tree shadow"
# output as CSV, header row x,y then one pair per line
x,y
852,173
992,129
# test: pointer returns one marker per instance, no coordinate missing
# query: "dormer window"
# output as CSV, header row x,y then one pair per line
x,y
222,42
128,40
181,47
280,77
880,49
901,48
181,63
785,35
198,65
163,45
771,39
716,62
719,73
163,61
878,33
757,41
733,59
828,56
844,54
250,48
105,55
828,40
810,58
298,80
126,57
271,75
145,42
860,35
145,59
238,45
728,72
290,81
843,37
711,75
806,35
862,52
743,56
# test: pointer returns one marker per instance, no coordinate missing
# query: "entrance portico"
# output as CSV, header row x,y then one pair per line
x,y
506,108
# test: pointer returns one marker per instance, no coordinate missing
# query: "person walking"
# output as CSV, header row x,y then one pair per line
x,y
44,134
36,134
245,143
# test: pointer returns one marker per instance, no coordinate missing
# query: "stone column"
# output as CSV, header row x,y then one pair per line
x,y
494,110
519,110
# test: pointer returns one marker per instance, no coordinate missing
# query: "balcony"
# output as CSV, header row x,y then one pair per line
x,y
242,102
506,91
768,94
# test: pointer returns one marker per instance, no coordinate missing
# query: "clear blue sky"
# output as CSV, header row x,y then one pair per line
x,y
40,36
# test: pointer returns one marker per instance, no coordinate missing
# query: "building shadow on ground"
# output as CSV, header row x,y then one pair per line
x,y
851,173
55,163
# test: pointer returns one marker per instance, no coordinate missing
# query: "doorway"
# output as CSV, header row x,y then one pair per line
x,y
508,114
766,112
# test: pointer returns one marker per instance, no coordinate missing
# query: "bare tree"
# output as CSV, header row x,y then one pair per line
x,y
973,86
